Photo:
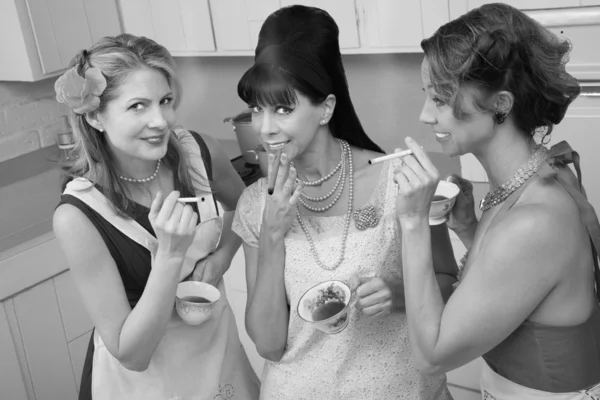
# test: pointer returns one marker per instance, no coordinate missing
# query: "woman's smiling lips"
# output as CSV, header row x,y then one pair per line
x,y
277,145
441,136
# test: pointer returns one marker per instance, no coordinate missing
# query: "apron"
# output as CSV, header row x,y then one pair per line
x,y
497,387
205,362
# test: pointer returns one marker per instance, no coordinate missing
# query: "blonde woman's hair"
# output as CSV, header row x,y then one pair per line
x,y
117,57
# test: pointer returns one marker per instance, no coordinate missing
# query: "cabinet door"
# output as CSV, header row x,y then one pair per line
x,y
238,22
181,26
391,23
590,3
344,14
43,336
529,4
11,380
63,27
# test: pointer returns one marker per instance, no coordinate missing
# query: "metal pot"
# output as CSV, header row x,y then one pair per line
x,y
247,137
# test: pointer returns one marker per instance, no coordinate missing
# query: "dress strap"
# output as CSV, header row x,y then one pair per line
x,y
561,155
208,206
85,191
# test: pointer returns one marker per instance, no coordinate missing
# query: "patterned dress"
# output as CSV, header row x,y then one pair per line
x,y
371,358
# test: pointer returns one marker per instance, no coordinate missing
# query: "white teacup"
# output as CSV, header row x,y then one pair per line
x,y
194,301
326,306
443,201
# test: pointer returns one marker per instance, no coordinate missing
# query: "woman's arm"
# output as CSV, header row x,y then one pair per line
x,y
516,268
267,311
131,336
444,262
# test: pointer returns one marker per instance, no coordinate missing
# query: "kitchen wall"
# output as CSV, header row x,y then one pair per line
x,y
385,88
30,117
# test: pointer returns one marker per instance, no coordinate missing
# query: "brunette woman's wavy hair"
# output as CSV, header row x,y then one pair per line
x,y
496,47
117,57
313,32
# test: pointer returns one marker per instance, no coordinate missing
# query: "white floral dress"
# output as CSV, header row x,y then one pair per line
x,y
371,358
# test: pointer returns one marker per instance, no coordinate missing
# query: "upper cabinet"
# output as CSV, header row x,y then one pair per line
x,y
182,26
40,37
399,26
238,22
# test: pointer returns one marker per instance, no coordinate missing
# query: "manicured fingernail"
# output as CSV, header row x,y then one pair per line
x,y
270,191
408,139
284,157
271,157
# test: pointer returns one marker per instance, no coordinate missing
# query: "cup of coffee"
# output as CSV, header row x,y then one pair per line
x,y
326,306
194,301
443,201
260,155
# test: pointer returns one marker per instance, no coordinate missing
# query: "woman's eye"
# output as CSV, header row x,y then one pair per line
x,y
167,100
283,110
438,102
136,107
255,109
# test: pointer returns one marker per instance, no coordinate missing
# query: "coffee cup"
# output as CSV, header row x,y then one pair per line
x,y
326,306
194,301
443,201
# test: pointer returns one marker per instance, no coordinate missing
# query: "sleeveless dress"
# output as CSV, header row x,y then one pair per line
x,y
191,362
371,358
540,361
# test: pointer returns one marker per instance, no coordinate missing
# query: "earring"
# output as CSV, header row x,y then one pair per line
x,y
499,117
101,129
323,122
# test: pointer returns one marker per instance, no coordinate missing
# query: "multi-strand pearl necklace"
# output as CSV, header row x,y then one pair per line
x,y
346,154
336,189
142,180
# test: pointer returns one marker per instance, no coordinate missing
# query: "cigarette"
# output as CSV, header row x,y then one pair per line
x,y
273,177
190,199
390,156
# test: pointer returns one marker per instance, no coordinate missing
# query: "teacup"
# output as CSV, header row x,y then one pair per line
x,y
260,155
443,201
326,306
194,301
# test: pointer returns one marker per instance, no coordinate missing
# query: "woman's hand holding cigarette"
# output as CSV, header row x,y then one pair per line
x,y
283,193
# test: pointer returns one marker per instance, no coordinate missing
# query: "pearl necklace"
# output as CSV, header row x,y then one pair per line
x,y
496,197
342,179
143,180
326,177
346,151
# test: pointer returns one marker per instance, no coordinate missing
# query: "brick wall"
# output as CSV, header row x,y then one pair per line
x,y
30,117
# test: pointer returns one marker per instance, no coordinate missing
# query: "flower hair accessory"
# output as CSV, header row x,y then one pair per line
x,y
81,94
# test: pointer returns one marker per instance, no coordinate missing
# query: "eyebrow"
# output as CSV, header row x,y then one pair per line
x,y
136,99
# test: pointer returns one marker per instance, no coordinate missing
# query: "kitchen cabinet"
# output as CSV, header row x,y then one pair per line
x,y
44,329
40,37
393,26
184,27
238,22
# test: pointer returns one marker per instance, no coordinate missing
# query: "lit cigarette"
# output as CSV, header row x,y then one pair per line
x,y
190,199
390,156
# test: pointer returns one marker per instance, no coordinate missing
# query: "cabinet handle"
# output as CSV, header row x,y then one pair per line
x,y
589,94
